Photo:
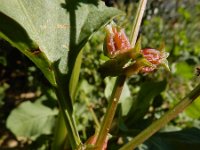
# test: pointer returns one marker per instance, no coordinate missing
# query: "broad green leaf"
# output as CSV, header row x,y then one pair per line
x,y
180,140
194,109
14,33
31,120
51,33
146,95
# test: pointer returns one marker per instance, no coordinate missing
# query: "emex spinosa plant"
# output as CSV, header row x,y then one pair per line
x,y
53,37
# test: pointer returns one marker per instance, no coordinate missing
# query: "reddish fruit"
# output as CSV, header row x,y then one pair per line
x,y
116,42
121,41
155,57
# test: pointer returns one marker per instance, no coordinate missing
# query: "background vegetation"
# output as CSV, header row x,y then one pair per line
x,y
176,23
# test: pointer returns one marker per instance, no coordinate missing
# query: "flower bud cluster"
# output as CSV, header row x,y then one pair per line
x,y
117,47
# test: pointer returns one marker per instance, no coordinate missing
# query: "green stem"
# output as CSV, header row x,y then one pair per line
x,y
137,21
153,128
68,118
94,116
90,107
107,121
60,133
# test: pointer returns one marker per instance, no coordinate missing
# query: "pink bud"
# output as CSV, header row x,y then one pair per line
x,y
121,40
155,57
116,41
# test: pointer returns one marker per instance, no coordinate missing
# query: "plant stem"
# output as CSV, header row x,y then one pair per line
x,y
68,118
110,112
154,127
137,21
90,108
107,121
60,133
94,116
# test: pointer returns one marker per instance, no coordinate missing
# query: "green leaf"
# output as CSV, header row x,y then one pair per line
x,y
193,110
146,95
125,100
52,32
14,33
183,140
31,120
109,86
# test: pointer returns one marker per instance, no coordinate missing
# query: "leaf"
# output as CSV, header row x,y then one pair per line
x,y
184,140
54,34
31,120
56,30
11,31
109,86
51,34
148,91
193,110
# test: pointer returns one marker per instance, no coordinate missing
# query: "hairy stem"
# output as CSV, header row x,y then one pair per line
x,y
154,127
107,121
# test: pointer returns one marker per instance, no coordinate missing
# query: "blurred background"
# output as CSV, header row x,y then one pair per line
x,y
145,97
